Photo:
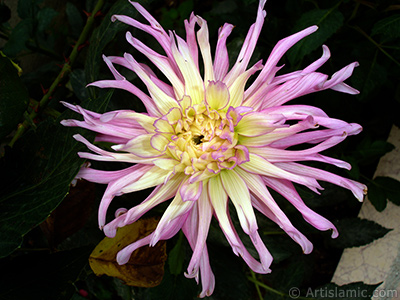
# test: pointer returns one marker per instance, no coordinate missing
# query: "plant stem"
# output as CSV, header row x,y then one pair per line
x,y
376,44
270,289
266,287
22,127
253,275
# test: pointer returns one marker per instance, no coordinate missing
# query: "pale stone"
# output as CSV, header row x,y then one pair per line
x,y
380,260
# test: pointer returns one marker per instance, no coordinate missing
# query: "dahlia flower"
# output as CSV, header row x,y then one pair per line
x,y
206,140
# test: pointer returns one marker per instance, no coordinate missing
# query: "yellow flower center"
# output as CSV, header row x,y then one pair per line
x,y
200,138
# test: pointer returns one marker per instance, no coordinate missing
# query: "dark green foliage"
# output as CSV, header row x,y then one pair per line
x,y
41,167
41,275
328,22
387,28
355,232
382,189
14,97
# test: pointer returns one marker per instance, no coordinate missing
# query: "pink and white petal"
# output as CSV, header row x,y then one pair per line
x,y
110,139
265,256
159,142
126,85
140,146
204,45
120,157
340,76
104,177
196,231
191,38
168,232
124,255
207,276
159,195
106,155
279,155
78,109
358,189
287,190
278,134
219,200
216,193
255,124
294,111
194,86
190,191
110,128
255,265
177,209
236,88
249,44
239,194
263,201
326,54
115,188
261,166
166,163
344,88
129,118
268,72
314,137
161,62
286,225
221,60
113,70
200,258
153,177
217,95
162,101
293,89
155,29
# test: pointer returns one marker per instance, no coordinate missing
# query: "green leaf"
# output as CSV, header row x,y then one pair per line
x,y
44,17
354,291
101,36
377,196
176,257
78,84
172,288
36,175
388,28
74,19
368,78
28,8
19,37
230,273
14,97
328,22
291,274
42,275
390,188
355,232
369,150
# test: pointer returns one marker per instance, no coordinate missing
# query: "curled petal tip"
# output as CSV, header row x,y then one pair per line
x,y
335,233
114,18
